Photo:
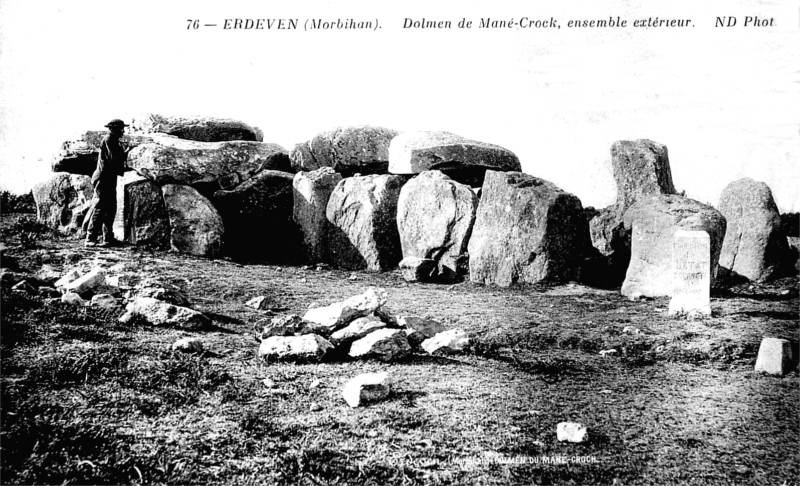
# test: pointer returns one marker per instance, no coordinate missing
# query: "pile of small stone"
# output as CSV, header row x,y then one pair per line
x,y
359,327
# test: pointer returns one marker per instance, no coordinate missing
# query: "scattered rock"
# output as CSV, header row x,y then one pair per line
x,y
462,159
383,344
654,222
285,325
608,352
332,317
357,329
415,269
105,302
366,388
363,214
262,302
159,313
775,357
311,191
195,225
315,407
268,383
200,129
162,291
446,342
418,329
309,347
48,273
348,150
188,345
49,292
72,298
24,287
571,432
68,278
435,215
754,246
527,230
87,283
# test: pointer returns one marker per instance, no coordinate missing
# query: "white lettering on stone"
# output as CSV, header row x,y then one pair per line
x,y
691,274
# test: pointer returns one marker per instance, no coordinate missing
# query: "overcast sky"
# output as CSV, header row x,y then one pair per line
x,y
725,101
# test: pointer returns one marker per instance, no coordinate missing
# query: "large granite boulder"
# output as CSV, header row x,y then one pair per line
x,y
363,214
195,225
199,129
79,156
641,169
348,150
653,222
63,201
461,159
206,166
311,191
435,215
144,214
754,246
527,230
257,216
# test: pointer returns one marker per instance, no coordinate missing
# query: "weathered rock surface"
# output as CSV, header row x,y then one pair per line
x,y
775,357
188,345
80,156
24,287
641,169
348,150
195,225
309,347
87,283
337,315
366,388
162,291
418,329
462,159
526,230
200,129
654,222
257,216
754,246
357,329
363,214
104,302
311,191
383,344
71,298
144,214
415,269
435,215
285,325
446,342
63,201
159,313
206,166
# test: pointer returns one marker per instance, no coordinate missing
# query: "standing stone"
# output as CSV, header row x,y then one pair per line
x,y
196,227
200,129
461,159
654,222
691,274
363,212
435,216
258,218
527,230
144,216
63,201
641,169
348,150
311,191
775,356
754,247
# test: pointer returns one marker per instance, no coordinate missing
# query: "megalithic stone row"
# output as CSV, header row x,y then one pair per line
x,y
654,222
527,230
754,247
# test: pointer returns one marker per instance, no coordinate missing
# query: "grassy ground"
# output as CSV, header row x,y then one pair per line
x,y
88,400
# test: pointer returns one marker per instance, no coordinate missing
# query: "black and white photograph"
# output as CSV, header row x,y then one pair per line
x,y
399,243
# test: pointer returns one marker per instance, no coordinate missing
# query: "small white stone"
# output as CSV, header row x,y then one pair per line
x,y
452,341
608,352
571,432
366,388
774,356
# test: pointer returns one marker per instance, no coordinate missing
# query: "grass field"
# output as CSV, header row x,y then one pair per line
x,y
88,400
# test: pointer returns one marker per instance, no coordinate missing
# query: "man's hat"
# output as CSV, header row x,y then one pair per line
x,y
116,122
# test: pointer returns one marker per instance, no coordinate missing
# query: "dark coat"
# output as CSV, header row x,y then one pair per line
x,y
110,161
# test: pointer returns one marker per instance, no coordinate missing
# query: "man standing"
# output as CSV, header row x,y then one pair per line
x,y
110,164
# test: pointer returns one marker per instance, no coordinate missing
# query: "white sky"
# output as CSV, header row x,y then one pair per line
x,y
726,102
